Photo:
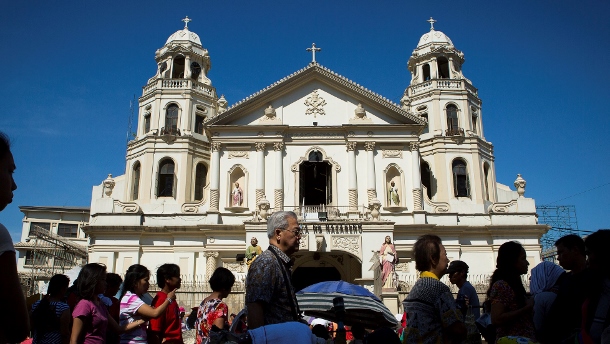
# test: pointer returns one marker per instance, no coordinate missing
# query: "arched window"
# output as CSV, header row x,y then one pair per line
x,y
315,156
135,181
171,119
452,120
166,181
201,173
486,181
426,70
443,67
474,122
461,183
426,177
178,67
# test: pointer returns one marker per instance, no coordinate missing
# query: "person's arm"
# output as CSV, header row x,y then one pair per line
x,y
77,328
64,326
125,328
499,315
152,313
14,324
255,315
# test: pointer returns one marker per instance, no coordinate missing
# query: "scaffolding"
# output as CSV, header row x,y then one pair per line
x,y
562,220
49,254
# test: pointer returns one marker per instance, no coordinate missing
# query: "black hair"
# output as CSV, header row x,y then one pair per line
x,y
5,144
44,317
222,279
597,243
427,249
508,255
88,279
113,280
382,335
572,241
320,331
167,271
135,273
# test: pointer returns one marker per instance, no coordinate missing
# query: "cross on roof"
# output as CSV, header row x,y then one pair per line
x,y
313,50
431,21
186,22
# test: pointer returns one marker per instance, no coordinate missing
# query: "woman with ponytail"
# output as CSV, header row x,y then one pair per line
x,y
511,308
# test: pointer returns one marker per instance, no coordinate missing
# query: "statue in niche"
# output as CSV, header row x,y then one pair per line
x,y
252,251
393,198
237,195
388,259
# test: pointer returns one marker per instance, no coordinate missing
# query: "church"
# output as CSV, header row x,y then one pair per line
x,y
201,177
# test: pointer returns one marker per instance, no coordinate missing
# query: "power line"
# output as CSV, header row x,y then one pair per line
x,y
580,193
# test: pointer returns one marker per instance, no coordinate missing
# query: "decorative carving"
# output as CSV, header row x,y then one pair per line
x,y
315,103
260,134
351,134
392,153
359,111
369,146
374,207
316,135
263,207
347,243
520,185
260,146
214,199
369,134
108,185
350,146
279,199
503,207
353,199
304,242
128,207
338,258
210,262
278,146
437,207
417,199
414,146
215,146
239,154
269,113
372,194
260,194
235,267
404,267
319,242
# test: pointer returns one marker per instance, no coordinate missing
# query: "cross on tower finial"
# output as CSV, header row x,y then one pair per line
x,y
186,22
431,21
313,50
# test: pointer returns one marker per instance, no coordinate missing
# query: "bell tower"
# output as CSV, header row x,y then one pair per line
x,y
168,160
457,162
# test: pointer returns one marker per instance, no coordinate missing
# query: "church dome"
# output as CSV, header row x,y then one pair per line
x,y
184,35
434,37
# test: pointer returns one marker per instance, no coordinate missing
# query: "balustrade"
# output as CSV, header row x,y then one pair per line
x,y
178,84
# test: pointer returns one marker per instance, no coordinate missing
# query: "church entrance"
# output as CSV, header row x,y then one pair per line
x,y
305,276
315,181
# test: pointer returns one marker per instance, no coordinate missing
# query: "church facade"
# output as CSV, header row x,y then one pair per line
x,y
201,177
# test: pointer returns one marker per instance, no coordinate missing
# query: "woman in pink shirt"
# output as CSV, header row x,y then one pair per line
x,y
91,318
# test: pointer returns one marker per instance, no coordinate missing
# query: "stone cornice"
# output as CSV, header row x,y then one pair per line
x,y
314,69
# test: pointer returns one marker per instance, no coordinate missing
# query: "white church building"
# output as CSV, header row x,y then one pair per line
x,y
320,145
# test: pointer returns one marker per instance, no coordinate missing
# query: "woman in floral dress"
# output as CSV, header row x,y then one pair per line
x,y
212,310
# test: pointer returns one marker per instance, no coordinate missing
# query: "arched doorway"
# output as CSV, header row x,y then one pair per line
x,y
315,181
305,276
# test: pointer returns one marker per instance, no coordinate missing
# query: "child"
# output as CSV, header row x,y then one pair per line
x,y
168,327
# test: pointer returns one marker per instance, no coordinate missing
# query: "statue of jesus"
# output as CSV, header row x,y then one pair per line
x,y
237,195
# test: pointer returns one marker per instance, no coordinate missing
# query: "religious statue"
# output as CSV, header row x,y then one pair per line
x,y
237,195
393,198
388,259
252,251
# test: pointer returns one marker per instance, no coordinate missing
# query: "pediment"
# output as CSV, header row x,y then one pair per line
x,y
315,94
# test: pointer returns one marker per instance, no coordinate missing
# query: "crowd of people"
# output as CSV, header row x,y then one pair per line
x,y
566,303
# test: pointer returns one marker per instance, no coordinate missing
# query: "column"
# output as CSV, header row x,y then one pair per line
x,y
370,161
260,171
416,173
210,263
450,67
352,188
187,67
278,147
215,176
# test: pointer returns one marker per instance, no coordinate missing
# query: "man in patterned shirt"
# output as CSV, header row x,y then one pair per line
x,y
270,297
432,316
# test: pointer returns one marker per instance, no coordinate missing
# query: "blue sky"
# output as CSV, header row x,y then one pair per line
x,y
71,68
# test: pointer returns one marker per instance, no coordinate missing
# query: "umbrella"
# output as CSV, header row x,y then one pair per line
x,y
361,306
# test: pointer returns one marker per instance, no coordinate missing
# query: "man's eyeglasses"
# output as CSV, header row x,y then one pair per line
x,y
297,232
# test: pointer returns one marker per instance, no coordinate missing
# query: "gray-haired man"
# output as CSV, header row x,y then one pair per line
x,y
270,297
